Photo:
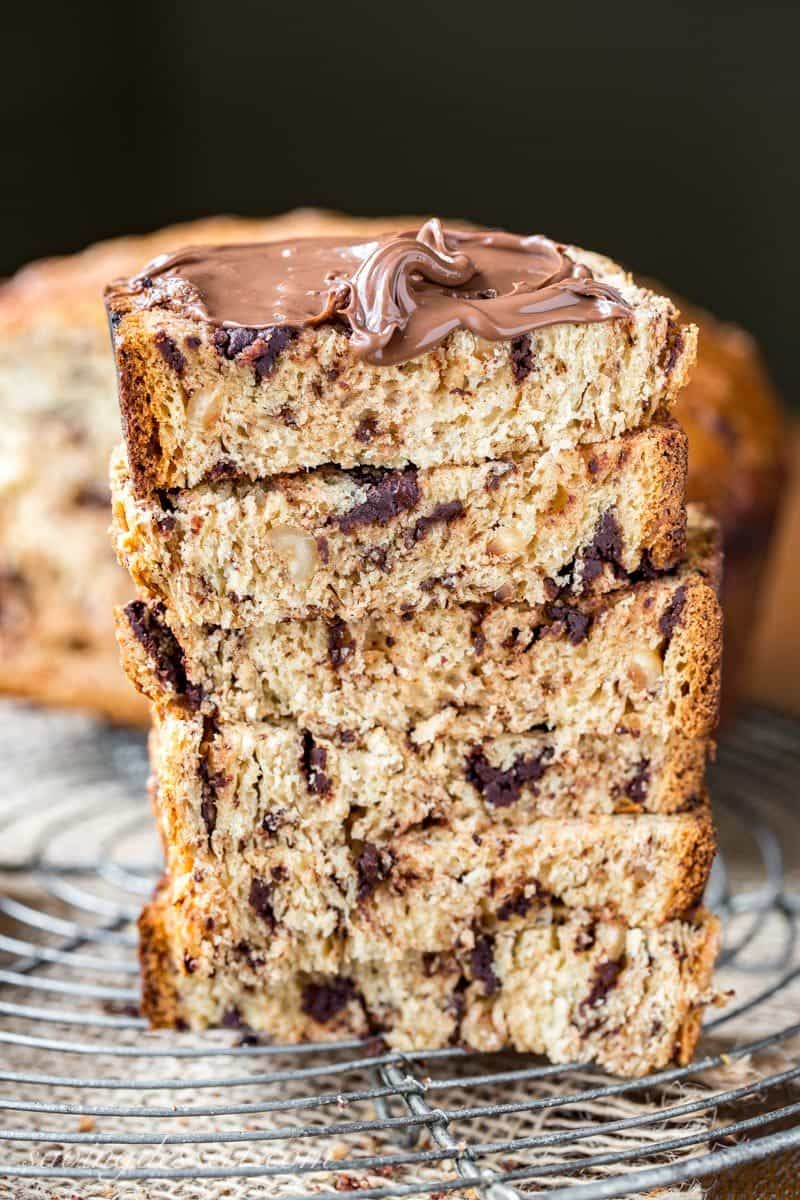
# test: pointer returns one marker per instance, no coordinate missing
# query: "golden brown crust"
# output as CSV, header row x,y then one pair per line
x,y
160,1002
697,645
699,964
667,530
738,464
698,853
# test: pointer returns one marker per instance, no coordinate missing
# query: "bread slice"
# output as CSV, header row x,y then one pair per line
x,y
198,398
562,984
339,543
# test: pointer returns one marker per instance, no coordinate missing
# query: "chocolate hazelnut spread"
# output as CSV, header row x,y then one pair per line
x,y
401,294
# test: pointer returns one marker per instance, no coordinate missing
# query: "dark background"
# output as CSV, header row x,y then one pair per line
x,y
663,134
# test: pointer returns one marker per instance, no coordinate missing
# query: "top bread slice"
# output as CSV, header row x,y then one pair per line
x,y
199,401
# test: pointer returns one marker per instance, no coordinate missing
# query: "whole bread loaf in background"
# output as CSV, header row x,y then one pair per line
x,y
58,579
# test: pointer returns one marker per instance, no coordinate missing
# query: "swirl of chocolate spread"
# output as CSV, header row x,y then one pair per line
x,y
402,293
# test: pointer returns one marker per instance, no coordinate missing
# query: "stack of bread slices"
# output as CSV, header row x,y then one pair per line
x,y
432,645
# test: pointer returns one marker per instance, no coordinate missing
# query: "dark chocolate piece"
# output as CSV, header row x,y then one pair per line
x,y
322,1001
313,760
341,643
521,357
482,964
637,785
366,429
394,493
500,787
672,614
170,353
575,623
442,514
163,649
605,978
260,898
372,865
605,547
515,906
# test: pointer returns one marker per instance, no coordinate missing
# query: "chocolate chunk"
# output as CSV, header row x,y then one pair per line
x,y
260,898
366,429
210,781
232,1019
341,643
166,499
482,965
224,469
93,495
605,547
605,978
114,319
258,348
170,353
323,550
322,1001
637,785
372,865
208,805
515,906
230,342
442,514
430,963
672,613
377,557
575,623
499,787
585,938
521,357
457,1003
313,760
263,354
478,636
673,346
645,571
272,821
395,492
189,964
163,649
192,341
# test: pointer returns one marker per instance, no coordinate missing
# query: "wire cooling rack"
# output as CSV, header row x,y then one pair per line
x,y
93,1105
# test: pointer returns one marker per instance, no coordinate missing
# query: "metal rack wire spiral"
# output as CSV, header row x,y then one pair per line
x,y
352,1119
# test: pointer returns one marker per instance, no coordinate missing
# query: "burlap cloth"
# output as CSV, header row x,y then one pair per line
x,y
72,794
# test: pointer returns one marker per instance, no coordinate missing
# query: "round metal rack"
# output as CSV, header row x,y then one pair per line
x,y
95,1105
